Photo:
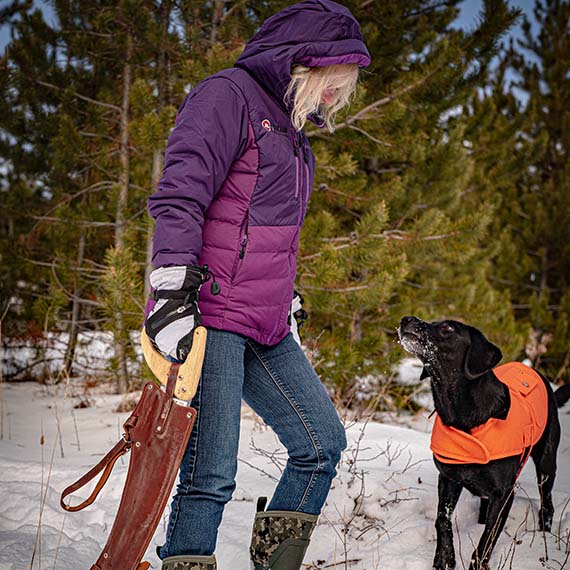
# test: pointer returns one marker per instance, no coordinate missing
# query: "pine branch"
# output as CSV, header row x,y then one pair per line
x,y
86,33
98,186
70,295
92,271
96,136
362,114
367,134
320,253
326,188
397,235
78,95
229,12
406,236
82,223
337,290
84,321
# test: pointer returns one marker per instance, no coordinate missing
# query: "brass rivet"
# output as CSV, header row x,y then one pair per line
x,y
180,378
105,555
159,428
138,444
525,384
182,389
189,415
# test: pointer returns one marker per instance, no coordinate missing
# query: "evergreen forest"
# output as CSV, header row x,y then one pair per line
x,y
443,193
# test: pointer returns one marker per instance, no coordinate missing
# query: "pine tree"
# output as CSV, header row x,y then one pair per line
x,y
534,183
393,228
27,125
104,85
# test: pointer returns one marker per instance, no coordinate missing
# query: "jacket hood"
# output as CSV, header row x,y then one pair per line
x,y
312,33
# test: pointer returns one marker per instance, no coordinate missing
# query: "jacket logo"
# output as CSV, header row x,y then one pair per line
x,y
266,124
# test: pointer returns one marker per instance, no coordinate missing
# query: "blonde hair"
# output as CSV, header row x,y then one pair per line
x,y
308,84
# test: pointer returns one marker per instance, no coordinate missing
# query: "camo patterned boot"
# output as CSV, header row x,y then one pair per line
x,y
280,538
189,563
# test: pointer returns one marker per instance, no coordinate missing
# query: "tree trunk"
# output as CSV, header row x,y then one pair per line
x,y
121,335
157,157
217,9
157,162
356,326
75,312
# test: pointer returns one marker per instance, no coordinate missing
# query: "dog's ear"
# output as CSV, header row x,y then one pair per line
x,y
425,374
482,355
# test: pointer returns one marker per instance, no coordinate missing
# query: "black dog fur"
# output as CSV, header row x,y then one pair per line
x,y
459,360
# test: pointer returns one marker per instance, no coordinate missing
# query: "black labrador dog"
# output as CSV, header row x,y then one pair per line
x,y
459,360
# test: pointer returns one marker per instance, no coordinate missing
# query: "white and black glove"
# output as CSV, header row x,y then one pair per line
x,y
297,316
171,323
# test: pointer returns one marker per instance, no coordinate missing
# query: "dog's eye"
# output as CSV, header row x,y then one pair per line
x,y
447,328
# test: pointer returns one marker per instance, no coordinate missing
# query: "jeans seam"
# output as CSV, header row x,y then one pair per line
x,y
195,448
304,421
194,453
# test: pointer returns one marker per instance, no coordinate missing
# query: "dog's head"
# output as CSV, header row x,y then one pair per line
x,y
448,347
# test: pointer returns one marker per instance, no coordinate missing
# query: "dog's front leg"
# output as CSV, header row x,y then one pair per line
x,y
499,507
448,493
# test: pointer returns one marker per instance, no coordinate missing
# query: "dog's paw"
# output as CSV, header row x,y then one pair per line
x,y
545,520
545,527
444,562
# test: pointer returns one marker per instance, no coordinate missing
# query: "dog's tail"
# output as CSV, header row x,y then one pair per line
x,y
562,395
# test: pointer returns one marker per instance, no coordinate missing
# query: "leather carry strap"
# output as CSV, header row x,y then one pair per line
x,y
106,465
121,447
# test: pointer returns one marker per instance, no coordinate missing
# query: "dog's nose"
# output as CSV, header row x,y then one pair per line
x,y
408,322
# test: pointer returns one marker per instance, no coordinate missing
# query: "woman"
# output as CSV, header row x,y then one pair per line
x,y
229,208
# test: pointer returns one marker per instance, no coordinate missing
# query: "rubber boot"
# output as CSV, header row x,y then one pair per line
x,y
189,563
280,538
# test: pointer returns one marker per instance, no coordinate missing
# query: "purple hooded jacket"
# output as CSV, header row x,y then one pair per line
x,y
238,176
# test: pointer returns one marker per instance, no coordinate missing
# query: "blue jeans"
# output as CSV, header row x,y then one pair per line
x,y
281,386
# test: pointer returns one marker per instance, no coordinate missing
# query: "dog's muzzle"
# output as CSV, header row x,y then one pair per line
x,y
411,333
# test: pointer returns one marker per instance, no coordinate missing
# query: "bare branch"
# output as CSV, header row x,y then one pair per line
x,y
84,224
372,138
339,289
71,295
78,269
78,95
228,13
397,235
326,188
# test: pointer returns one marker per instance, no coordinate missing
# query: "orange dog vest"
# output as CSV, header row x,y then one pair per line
x,y
496,439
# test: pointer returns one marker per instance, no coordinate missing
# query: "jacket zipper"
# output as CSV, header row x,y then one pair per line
x,y
307,174
298,176
308,183
243,242
296,171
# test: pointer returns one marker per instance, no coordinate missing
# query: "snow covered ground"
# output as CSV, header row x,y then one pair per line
x,y
379,515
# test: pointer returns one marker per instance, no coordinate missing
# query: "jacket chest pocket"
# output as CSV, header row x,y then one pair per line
x,y
302,180
280,199
302,185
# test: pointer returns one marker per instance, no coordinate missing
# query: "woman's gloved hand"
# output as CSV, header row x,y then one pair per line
x,y
297,316
171,323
